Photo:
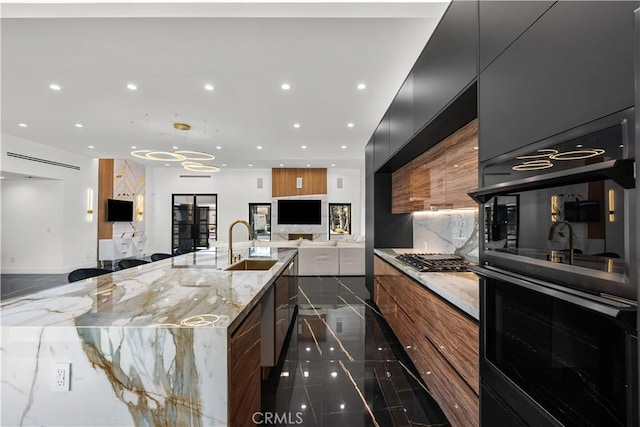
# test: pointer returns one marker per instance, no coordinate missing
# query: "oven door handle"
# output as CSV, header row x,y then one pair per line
x,y
613,309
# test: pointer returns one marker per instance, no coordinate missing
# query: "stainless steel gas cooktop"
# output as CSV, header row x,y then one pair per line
x,y
434,262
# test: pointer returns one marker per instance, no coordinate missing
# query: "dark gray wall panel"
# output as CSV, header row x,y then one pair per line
x,y
447,64
501,22
574,65
368,157
381,143
401,125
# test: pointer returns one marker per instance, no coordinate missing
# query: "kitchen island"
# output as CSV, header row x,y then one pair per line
x,y
159,344
435,316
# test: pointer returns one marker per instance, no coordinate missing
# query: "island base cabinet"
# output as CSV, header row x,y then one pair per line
x,y
244,371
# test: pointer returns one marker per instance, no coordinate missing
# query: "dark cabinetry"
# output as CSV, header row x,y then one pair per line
x,y
401,124
572,66
501,22
381,143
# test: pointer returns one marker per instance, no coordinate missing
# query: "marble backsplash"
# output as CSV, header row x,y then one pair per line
x,y
448,231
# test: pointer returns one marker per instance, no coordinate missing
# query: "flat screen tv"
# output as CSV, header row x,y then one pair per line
x,y
582,211
299,212
119,210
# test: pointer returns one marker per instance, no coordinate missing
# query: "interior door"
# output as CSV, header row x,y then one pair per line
x,y
260,220
194,224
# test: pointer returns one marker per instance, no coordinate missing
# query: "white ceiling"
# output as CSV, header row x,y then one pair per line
x,y
246,50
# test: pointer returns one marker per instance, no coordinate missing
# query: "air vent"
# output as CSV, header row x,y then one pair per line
x,y
45,161
195,176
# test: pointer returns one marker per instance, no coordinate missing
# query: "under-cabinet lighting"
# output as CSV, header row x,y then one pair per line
x,y
444,211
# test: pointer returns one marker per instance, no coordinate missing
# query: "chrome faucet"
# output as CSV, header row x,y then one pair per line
x,y
553,229
237,221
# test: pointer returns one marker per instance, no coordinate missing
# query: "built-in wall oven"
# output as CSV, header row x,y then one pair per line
x,y
558,268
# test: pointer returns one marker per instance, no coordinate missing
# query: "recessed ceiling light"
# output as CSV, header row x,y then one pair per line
x,y
55,86
167,164
361,86
334,374
308,165
281,164
303,406
218,148
175,147
259,147
22,125
343,147
285,86
296,125
342,406
91,146
304,147
250,165
224,164
78,125
208,87
1,177
579,146
131,86
333,164
350,125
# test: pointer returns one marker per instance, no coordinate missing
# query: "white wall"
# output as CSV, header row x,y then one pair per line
x,y
44,222
236,188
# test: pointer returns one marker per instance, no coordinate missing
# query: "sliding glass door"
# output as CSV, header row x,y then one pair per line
x,y
194,223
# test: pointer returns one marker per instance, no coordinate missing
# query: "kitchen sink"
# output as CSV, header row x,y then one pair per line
x,y
252,264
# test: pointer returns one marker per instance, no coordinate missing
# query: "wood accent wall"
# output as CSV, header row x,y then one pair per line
x,y
105,191
283,181
442,343
440,176
245,386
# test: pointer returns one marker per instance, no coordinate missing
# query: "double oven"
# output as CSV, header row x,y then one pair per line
x,y
559,280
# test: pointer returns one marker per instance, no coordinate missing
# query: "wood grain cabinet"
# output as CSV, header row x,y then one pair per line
x,y
244,370
441,176
441,341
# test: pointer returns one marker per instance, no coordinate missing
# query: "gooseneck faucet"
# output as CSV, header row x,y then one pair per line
x,y
237,221
553,229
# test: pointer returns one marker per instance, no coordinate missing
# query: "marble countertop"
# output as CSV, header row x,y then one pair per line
x,y
460,289
190,290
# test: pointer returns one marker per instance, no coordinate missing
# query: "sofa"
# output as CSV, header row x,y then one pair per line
x,y
319,257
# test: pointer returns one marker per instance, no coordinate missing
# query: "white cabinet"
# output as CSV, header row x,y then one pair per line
x,y
130,245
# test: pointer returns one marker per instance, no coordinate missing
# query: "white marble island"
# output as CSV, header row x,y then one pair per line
x,y
147,345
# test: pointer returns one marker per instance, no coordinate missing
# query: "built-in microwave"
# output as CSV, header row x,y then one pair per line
x,y
563,210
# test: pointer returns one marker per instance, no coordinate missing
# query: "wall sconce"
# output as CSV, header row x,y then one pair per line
x,y
89,205
555,211
612,205
140,209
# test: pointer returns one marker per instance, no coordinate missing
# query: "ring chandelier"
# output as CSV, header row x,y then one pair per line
x,y
191,160
542,158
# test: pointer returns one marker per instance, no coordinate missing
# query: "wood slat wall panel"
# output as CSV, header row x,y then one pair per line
x,y
401,191
105,191
283,181
244,370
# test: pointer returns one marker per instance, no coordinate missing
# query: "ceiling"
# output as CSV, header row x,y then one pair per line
x,y
245,50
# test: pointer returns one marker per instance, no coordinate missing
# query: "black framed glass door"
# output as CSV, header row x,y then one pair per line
x,y
194,221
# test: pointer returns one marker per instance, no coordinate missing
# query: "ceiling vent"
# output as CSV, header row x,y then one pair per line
x,y
45,161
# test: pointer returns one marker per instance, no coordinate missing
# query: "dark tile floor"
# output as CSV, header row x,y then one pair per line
x,y
344,366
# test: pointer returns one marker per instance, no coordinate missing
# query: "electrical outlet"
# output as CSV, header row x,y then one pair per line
x,y
60,376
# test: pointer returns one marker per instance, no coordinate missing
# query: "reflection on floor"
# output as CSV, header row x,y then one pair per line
x,y
15,285
343,365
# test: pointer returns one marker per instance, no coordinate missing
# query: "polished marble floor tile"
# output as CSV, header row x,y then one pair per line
x,y
343,365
